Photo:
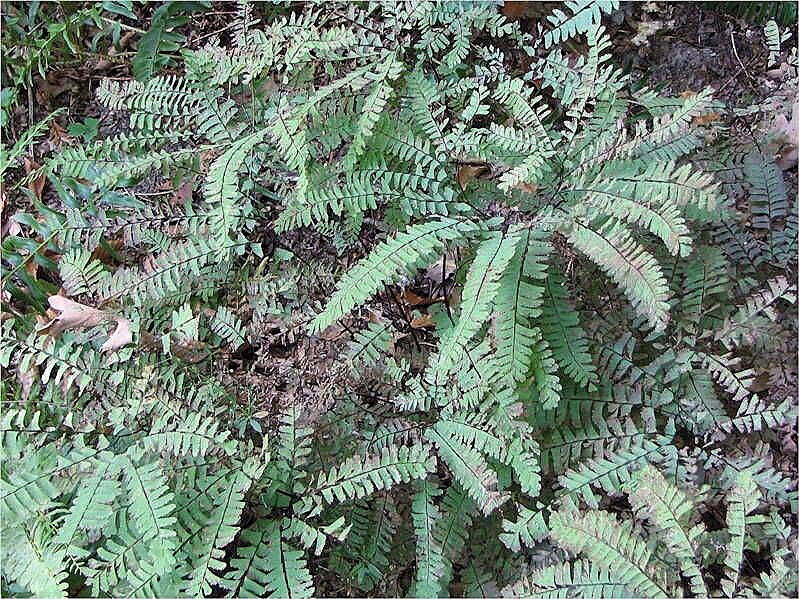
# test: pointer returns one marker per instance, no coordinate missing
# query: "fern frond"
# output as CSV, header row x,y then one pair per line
x,y
737,329
528,529
518,303
218,531
400,255
585,15
610,473
93,506
151,509
370,344
560,326
671,511
228,327
480,288
374,105
425,115
741,501
358,477
768,202
31,562
611,546
773,36
723,369
634,269
28,488
578,579
470,470
430,561
266,565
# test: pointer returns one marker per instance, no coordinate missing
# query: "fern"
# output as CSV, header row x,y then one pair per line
x,y
265,564
357,261
430,560
561,328
480,289
632,267
579,579
671,512
412,249
613,547
359,477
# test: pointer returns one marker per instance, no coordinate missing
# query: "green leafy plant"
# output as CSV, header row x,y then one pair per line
x,y
556,301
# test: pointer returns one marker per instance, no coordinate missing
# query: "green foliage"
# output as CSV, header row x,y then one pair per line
x,y
534,291
152,53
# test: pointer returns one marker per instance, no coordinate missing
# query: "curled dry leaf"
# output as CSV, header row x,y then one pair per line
x,y
435,272
74,315
706,119
788,132
26,380
469,172
59,135
121,336
422,321
411,298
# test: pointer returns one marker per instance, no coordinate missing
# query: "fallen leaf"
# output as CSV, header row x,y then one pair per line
x,y
468,172
121,336
59,135
434,272
331,333
422,321
105,253
32,268
706,118
519,9
184,192
37,184
72,315
530,188
26,379
645,29
788,132
411,298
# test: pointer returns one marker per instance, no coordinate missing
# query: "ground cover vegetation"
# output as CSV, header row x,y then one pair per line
x,y
395,299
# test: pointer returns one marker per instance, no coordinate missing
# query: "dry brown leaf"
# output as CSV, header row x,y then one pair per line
x,y
788,132
59,135
518,9
184,192
121,336
332,333
434,272
104,254
36,185
706,118
74,315
26,379
411,298
422,321
32,268
468,172
530,188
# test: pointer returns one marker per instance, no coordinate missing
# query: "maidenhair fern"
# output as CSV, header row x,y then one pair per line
x,y
553,331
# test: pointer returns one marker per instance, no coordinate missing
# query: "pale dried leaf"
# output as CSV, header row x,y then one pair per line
x,y
121,336
72,315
